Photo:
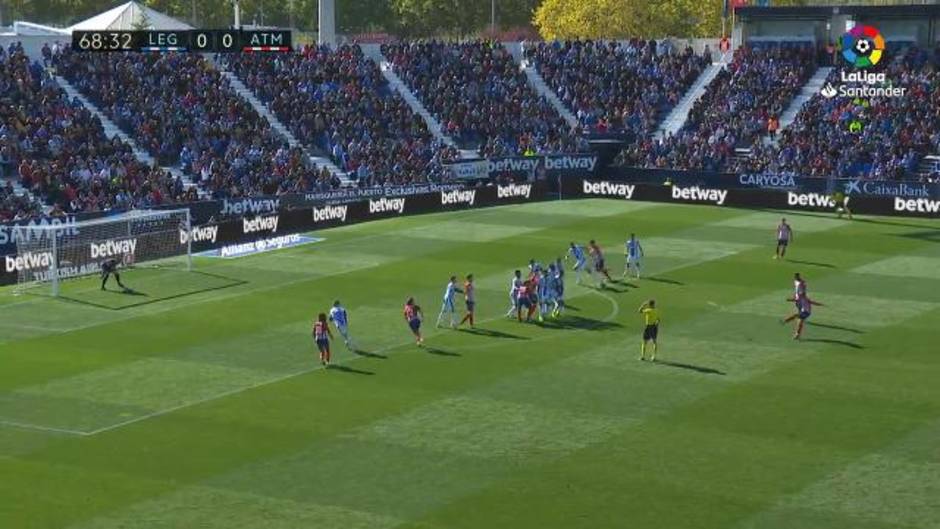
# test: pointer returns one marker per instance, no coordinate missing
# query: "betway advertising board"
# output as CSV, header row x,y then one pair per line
x,y
266,224
711,195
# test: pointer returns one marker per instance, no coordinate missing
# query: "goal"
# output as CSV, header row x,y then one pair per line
x,y
54,253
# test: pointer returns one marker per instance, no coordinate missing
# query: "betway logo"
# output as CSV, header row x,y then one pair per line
x,y
699,194
514,190
767,181
260,224
609,189
814,200
384,205
917,205
329,213
200,234
513,164
584,163
28,261
250,206
458,197
112,248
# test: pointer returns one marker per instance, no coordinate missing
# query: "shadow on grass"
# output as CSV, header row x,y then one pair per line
x,y
665,280
348,369
691,367
440,352
834,342
811,263
578,323
835,327
368,354
490,333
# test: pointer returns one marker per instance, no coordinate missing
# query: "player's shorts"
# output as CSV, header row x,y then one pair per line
x,y
524,303
599,265
470,305
323,344
805,314
414,324
783,242
578,265
448,306
650,332
560,293
343,329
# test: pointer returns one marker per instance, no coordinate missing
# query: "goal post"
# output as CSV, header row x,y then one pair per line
x,y
53,253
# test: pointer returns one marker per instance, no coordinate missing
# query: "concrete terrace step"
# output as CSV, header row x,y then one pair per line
x,y
678,115
245,93
811,88
374,52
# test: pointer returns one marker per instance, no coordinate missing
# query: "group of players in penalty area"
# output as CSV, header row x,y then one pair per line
x,y
540,294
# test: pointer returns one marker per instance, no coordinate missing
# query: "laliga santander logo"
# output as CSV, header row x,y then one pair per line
x,y
862,46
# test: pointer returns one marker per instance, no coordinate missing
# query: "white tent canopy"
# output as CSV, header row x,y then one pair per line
x,y
130,16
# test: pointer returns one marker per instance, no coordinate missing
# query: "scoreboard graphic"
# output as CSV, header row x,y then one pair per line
x,y
197,40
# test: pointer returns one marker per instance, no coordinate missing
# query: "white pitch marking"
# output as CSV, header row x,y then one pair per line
x,y
614,313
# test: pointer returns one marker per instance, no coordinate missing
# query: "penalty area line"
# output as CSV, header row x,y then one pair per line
x,y
615,311
40,428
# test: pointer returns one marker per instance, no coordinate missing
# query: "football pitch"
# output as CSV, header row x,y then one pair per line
x,y
199,401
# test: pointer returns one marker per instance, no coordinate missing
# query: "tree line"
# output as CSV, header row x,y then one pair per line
x,y
559,19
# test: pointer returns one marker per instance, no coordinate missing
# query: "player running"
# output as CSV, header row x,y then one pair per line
x,y
804,309
598,255
576,252
448,305
470,296
514,286
413,316
651,330
784,236
109,267
632,253
322,336
340,319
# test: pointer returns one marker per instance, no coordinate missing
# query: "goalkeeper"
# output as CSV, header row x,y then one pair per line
x,y
108,268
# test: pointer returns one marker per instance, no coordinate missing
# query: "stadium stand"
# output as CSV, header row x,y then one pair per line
x,y
60,152
184,112
616,86
734,111
339,101
482,99
897,132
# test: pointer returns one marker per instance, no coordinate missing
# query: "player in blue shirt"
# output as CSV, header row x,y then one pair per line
x,y
633,253
546,290
340,319
559,284
448,305
577,252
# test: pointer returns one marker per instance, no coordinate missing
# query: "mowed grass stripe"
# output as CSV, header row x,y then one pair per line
x,y
283,432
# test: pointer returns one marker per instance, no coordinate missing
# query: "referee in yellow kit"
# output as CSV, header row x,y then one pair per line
x,y
651,331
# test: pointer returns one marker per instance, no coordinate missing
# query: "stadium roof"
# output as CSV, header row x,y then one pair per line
x,y
131,15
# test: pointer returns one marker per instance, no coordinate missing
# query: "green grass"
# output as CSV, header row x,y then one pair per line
x,y
201,404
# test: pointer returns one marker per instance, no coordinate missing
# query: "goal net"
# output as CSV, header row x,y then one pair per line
x,y
54,253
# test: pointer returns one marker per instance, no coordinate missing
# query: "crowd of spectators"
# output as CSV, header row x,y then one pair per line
x,y
59,152
481,98
618,86
734,112
892,135
184,112
339,102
